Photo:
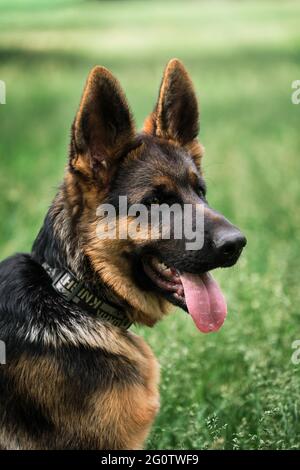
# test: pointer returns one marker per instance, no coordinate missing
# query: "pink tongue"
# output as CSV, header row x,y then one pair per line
x,y
204,300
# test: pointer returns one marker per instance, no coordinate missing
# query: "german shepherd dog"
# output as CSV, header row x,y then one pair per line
x,y
75,377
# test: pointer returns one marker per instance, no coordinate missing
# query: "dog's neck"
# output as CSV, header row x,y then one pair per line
x,y
58,244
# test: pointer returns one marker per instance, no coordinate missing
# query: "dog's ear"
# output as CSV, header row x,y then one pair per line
x,y
176,114
102,127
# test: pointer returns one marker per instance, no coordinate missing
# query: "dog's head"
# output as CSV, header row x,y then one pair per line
x,y
110,162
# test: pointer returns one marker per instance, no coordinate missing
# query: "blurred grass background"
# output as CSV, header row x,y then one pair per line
x,y
236,389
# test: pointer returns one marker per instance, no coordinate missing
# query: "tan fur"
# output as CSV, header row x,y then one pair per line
x,y
132,412
119,418
108,260
166,181
196,150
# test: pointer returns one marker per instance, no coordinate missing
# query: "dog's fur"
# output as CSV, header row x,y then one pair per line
x,y
73,381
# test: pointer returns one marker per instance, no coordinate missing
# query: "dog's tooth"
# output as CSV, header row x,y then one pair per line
x,y
168,272
160,265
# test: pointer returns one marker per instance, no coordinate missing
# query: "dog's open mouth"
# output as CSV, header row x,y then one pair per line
x,y
199,294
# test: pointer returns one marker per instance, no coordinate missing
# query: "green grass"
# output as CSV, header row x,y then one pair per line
x,y
236,389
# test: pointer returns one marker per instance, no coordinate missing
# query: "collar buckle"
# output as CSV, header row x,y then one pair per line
x,y
67,285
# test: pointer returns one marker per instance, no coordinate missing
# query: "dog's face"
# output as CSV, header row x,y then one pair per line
x,y
160,166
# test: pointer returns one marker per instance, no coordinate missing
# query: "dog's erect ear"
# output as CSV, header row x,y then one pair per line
x,y
103,125
176,113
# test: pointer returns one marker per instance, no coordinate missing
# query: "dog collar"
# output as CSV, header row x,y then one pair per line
x,y
71,289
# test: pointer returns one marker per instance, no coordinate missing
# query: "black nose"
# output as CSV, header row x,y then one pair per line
x,y
229,245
